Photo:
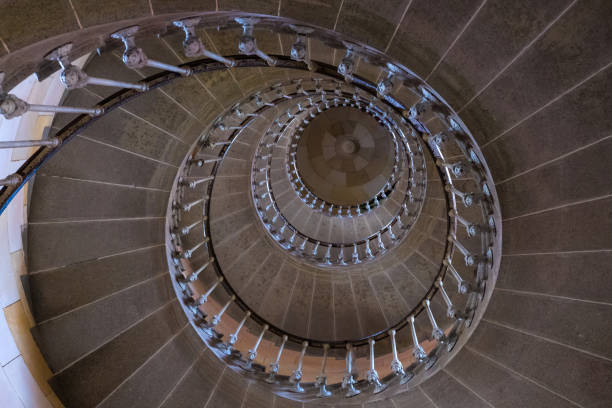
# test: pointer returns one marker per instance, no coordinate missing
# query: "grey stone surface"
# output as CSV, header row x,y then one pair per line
x,y
99,322
446,392
585,377
573,49
152,382
544,136
496,35
105,238
198,383
575,275
61,290
74,200
87,382
577,227
498,386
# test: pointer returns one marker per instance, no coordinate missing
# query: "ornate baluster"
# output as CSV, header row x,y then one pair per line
x,y
185,230
347,65
274,366
187,207
355,255
233,338
194,275
253,351
321,380
193,45
327,257
12,107
315,249
11,180
380,242
462,286
385,86
187,254
247,44
348,381
436,332
369,254
296,376
195,304
417,351
372,375
135,58
73,77
470,259
341,260
194,183
470,228
217,318
13,144
396,365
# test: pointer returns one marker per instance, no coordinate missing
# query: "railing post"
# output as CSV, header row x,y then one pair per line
x,y
321,380
274,366
348,382
296,376
372,374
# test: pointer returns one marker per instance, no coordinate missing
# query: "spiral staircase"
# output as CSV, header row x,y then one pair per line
x,y
304,204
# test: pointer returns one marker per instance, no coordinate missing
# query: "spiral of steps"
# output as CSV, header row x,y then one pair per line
x,y
123,212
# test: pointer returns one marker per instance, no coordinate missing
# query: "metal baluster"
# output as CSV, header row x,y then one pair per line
x,y
436,332
12,107
73,77
347,65
194,275
462,286
372,375
348,381
193,45
217,318
321,380
417,351
396,365
14,144
187,254
195,304
135,58
233,338
315,249
369,254
274,366
296,376
355,255
247,44
470,259
341,260
470,228
185,230
194,183
327,257
187,207
11,180
381,244
253,351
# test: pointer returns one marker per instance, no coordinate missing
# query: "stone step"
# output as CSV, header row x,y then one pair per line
x,y
99,322
89,380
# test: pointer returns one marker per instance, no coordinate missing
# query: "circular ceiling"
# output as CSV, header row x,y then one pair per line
x,y
345,156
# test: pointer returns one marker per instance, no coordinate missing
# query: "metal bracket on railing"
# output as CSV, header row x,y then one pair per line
x,y
299,49
74,77
135,58
193,45
247,44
